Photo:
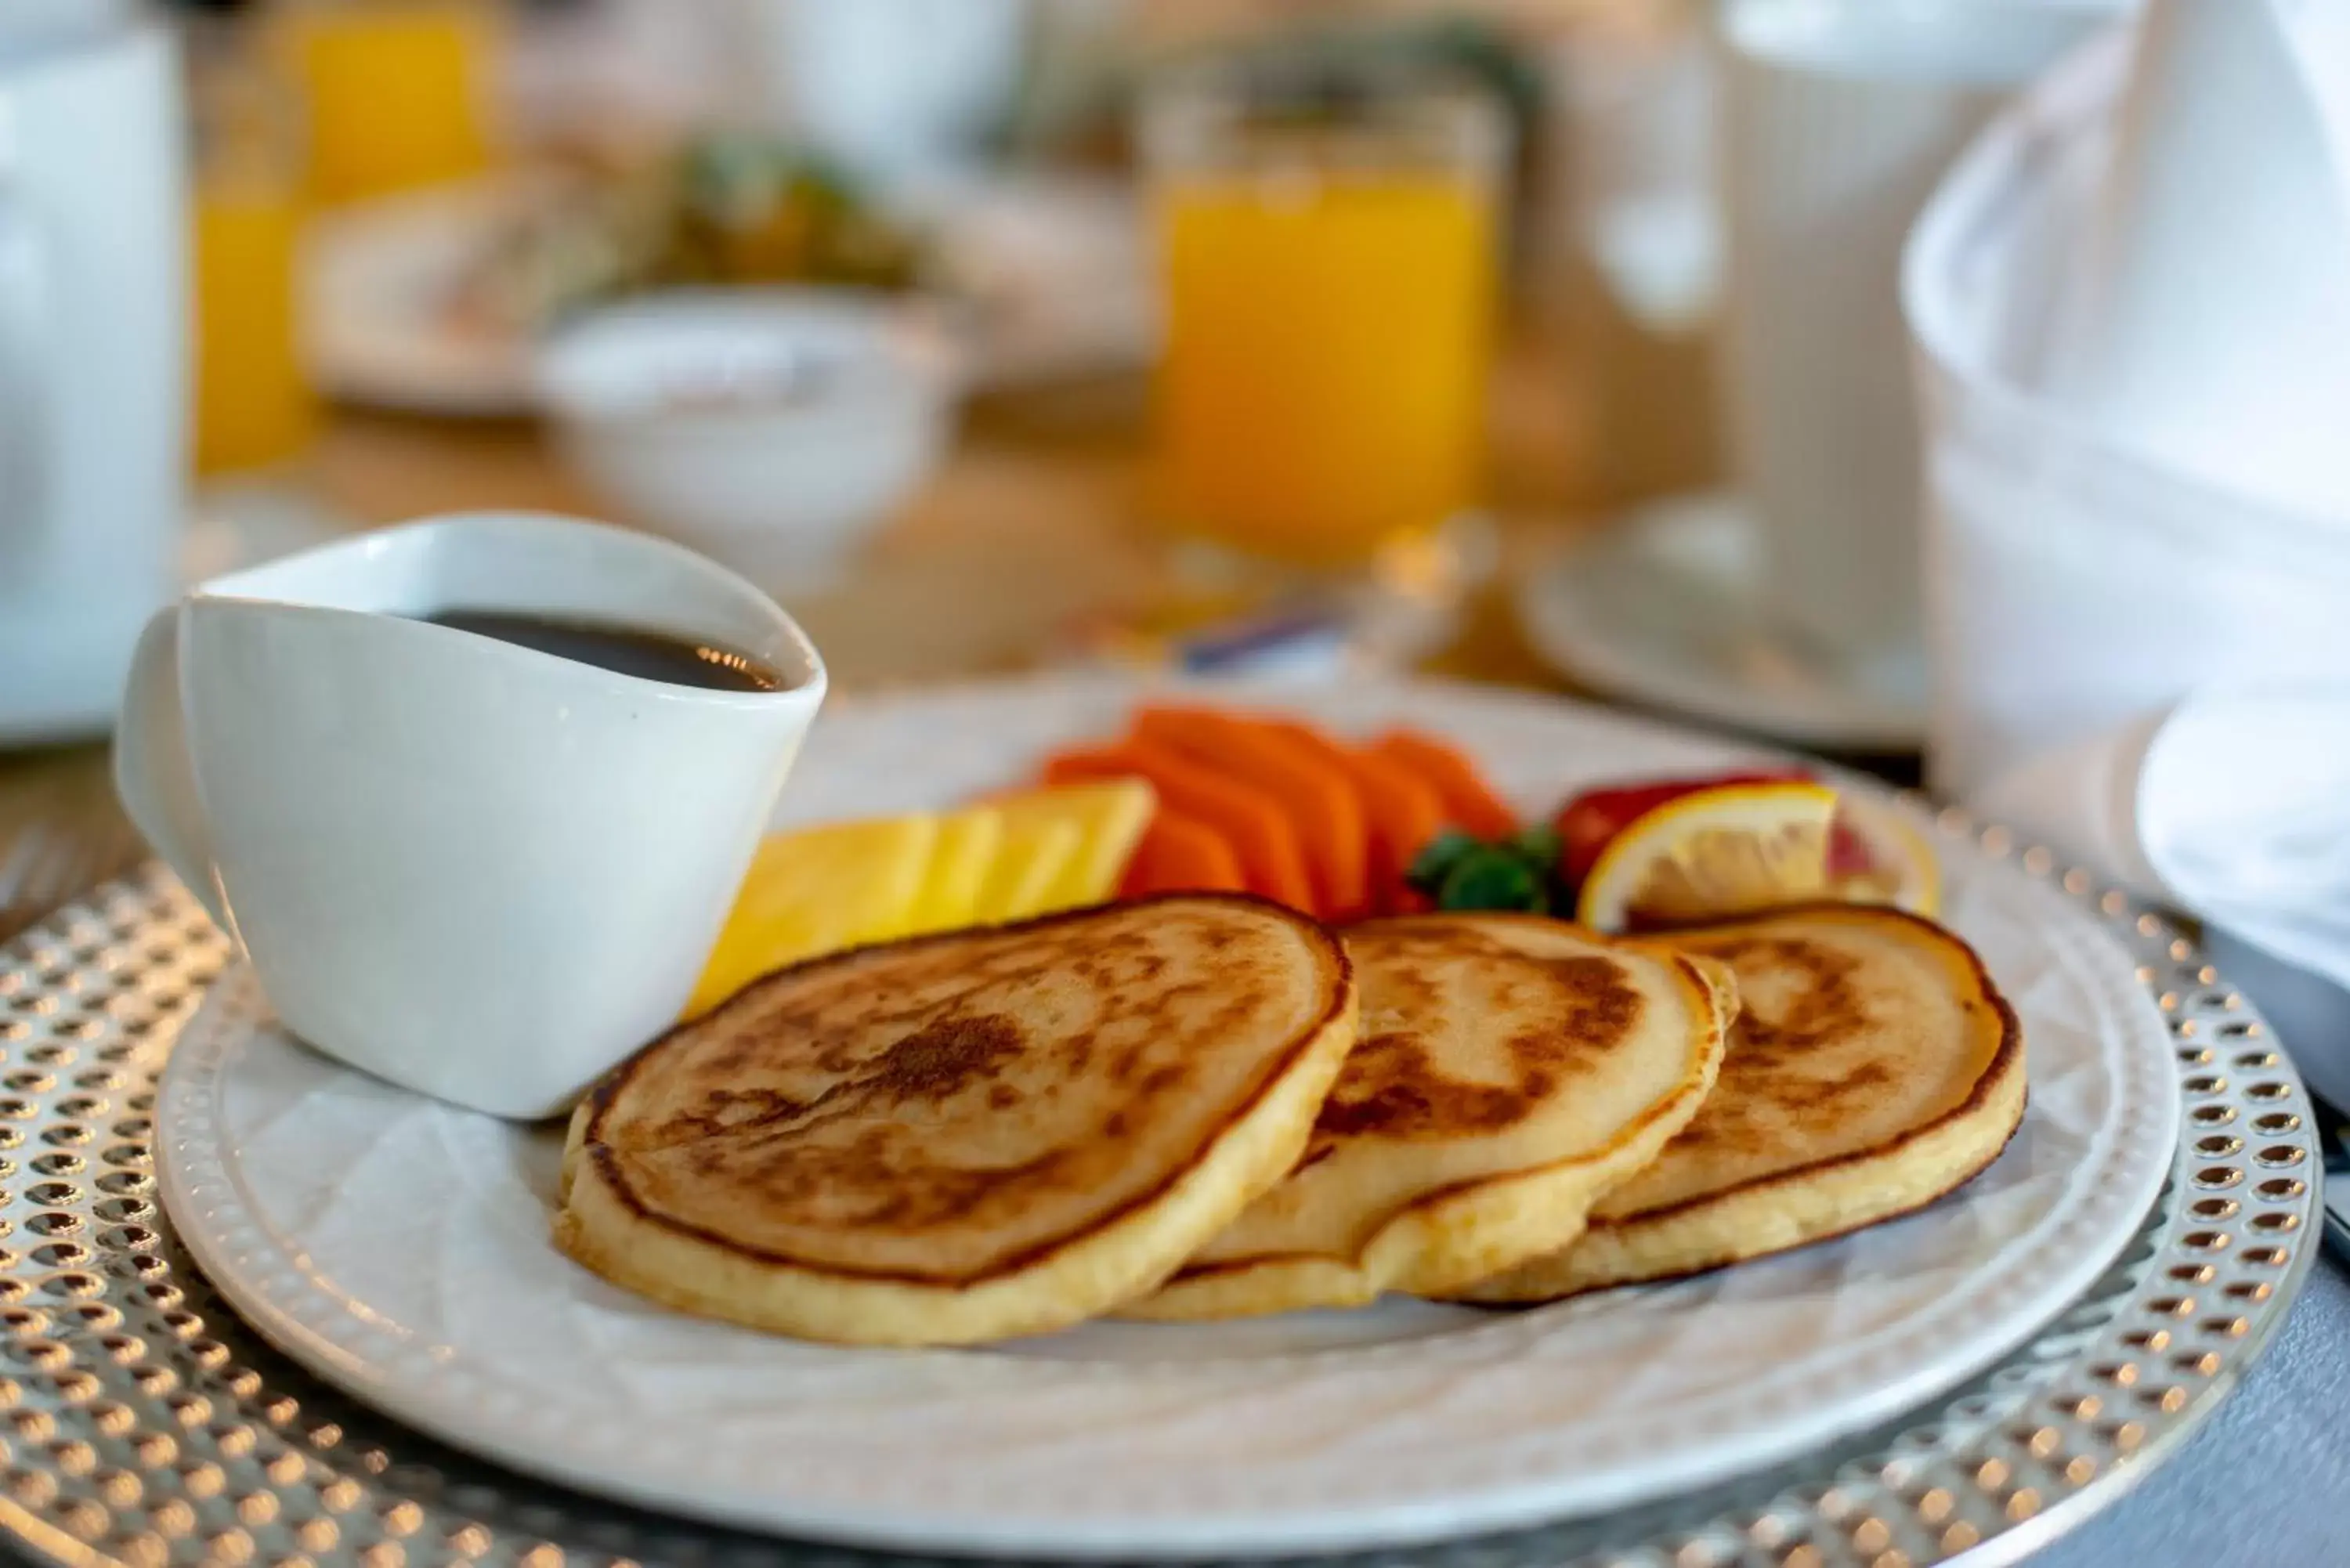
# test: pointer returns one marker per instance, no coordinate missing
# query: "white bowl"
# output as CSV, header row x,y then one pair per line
x,y
769,429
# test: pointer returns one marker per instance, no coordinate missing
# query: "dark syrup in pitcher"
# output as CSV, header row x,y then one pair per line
x,y
625,649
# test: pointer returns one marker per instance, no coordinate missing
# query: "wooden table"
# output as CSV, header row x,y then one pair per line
x,y
1035,520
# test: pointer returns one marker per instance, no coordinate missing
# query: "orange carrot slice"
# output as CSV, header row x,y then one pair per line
x,y
1402,810
1323,809
1470,802
1251,822
1181,854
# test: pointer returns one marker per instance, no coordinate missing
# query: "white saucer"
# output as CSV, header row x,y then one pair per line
x,y
1664,608
399,1248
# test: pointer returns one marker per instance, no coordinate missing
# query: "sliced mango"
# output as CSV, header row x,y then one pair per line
x,y
1110,818
1034,856
816,890
968,843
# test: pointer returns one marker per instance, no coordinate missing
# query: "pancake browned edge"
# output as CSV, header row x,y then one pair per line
x,y
1874,1068
967,1136
1511,1070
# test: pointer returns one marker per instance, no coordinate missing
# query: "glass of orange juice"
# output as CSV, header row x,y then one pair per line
x,y
254,405
1327,255
396,91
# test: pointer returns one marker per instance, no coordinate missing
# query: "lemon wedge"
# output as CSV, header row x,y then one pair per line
x,y
816,890
1901,868
1714,853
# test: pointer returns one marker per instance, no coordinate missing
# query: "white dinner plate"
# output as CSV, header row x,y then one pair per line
x,y
398,1249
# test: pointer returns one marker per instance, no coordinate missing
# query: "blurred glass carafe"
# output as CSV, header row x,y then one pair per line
x,y
91,357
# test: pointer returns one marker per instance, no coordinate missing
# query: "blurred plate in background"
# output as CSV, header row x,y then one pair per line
x,y
1047,274
1664,607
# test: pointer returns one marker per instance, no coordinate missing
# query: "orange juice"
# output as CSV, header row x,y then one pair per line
x,y
395,91
253,405
1321,390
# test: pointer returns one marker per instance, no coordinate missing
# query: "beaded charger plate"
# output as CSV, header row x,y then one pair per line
x,y
145,1424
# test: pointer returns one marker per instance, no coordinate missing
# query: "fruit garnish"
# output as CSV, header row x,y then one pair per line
x,y
1324,807
1109,816
1180,854
1878,855
1589,821
1469,803
1029,863
1401,811
1712,853
1251,820
966,849
816,891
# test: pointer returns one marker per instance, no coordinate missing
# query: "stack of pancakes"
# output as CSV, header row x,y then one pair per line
x,y
1205,1106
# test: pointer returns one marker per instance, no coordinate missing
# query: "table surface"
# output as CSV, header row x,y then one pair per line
x,y
1035,520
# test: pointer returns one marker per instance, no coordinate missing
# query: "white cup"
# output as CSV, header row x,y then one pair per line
x,y
467,867
92,360
1838,117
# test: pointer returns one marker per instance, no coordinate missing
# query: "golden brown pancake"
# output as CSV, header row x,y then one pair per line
x,y
1512,1069
969,1136
1873,1068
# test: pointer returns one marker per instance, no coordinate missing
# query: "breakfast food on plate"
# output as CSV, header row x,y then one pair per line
x,y
1110,818
816,891
1401,811
960,1137
1157,1100
1879,856
1252,821
1326,825
1469,803
1181,854
1316,796
1713,853
1511,1071
1874,1067
1872,854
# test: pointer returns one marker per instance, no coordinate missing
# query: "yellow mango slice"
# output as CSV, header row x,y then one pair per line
x,y
1110,818
968,847
1029,864
816,890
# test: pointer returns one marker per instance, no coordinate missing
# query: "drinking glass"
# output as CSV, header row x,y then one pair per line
x,y
254,403
1328,272
396,92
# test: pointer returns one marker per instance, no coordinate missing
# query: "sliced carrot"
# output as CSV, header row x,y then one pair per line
x,y
1470,802
1181,854
1323,809
1402,810
1251,821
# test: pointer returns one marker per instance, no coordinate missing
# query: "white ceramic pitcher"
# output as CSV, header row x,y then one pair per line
x,y
470,868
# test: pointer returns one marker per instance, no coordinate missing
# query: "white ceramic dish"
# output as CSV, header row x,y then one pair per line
x,y
770,429
400,1249
1667,607
461,863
